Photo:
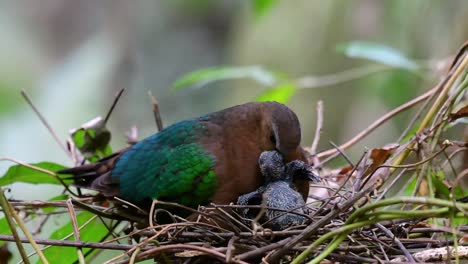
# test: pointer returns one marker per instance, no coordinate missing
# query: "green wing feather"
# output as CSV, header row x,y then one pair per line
x,y
168,166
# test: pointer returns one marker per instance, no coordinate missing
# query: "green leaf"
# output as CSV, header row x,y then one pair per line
x,y
408,189
93,232
4,229
92,139
261,7
20,173
377,52
441,190
202,77
280,94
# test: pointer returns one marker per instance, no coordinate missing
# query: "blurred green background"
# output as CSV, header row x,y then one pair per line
x,y
73,56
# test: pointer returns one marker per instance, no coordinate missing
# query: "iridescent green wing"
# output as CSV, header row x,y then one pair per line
x,y
169,165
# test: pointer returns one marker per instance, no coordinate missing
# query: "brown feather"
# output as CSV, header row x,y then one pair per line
x,y
237,137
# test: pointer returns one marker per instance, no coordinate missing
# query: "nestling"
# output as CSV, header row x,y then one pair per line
x,y
279,192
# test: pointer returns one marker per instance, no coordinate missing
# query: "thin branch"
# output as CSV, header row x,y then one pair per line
x,y
443,94
64,238
397,241
141,244
76,232
45,123
134,255
8,215
28,235
151,213
156,112
416,116
230,249
412,165
70,243
342,153
155,250
379,122
444,86
116,99
309,82
318,128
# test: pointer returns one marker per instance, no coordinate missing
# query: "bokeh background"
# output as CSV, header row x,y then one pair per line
x,y
71,57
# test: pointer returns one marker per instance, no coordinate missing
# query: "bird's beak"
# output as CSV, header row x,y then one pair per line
x,y
311,175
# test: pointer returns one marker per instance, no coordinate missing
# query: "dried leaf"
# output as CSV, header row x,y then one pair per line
x,y
345,170
463,112
463,239
380,155
337,175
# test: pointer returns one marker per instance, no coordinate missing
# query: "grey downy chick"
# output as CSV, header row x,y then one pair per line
x,y
279,191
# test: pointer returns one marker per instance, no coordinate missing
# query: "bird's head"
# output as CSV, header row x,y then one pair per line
x,y
271,165
284,128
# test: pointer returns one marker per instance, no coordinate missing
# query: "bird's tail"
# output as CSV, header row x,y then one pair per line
x,y
95,176
83,175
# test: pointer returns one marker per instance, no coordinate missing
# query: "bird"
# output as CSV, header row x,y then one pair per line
x,y
279,192
208,159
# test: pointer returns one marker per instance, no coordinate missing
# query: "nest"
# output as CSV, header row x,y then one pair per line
x,y
356,215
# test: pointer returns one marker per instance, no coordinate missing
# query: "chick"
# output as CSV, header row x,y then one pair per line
x,y
279,192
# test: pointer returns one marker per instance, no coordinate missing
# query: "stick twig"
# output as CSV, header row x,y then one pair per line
x,y
116,99
28,235
156,112
45,123
70,243
212,252
76,232
308,82
318,128
379,122
445,86
8,215
389,234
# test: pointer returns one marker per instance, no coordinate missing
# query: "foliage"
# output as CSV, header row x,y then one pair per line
x,y
92,139
261,7
204,76
281,87
94,230
281,94
378,53
27,174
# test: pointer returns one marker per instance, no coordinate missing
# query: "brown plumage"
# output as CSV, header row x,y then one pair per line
x,y
176,164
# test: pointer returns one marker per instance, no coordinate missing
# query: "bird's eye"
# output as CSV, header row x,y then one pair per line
x,y
273,139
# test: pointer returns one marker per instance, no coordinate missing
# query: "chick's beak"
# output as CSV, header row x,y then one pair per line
x,y
312,175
